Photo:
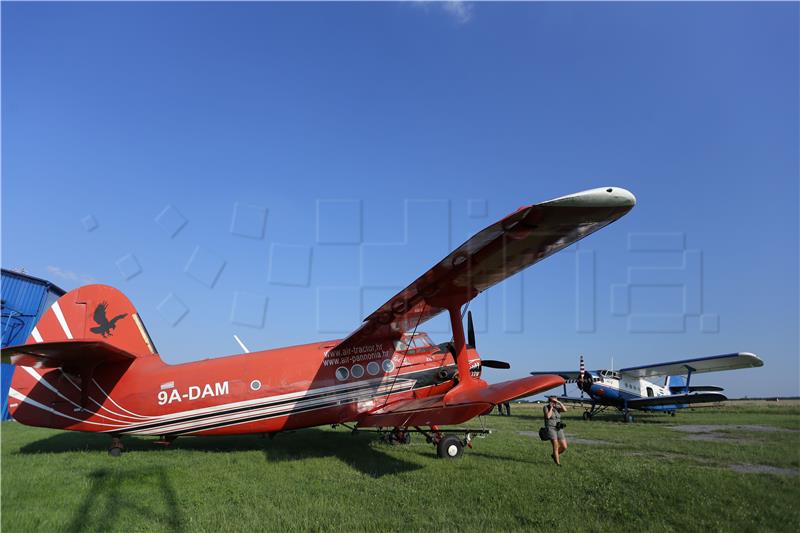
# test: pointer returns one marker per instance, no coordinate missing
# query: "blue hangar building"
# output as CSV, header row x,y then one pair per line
x,y
24,299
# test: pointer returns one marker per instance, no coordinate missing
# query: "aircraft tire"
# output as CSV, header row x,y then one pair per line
x,y
587,415
115,452
450,447
628,418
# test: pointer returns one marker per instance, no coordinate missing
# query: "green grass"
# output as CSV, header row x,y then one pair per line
x,y
648,477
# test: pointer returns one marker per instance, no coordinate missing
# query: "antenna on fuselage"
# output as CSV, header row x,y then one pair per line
x,y
241,344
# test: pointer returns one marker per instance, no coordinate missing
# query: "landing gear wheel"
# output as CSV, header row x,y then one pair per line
x,y
115,452
450,447
628,418
587,415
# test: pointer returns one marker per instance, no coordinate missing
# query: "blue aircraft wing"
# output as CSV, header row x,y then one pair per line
x,y
569,399
570,376
677,399
715,363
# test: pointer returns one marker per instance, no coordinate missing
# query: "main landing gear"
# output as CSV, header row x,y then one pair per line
x,y
449,445
589,413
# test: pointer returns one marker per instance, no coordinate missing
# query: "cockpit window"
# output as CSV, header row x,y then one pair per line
x,y
413,343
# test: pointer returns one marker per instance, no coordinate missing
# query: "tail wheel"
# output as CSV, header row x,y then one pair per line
x,y
450,447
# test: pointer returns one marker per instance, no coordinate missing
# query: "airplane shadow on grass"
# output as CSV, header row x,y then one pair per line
x,y
353,450
107,498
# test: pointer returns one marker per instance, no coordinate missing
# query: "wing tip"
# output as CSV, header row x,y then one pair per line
x,y
599,197
756,360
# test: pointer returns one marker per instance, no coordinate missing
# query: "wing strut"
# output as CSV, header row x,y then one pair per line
x,y
462,362
688,378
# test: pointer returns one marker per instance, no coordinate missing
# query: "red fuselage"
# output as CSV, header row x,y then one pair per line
x,y
260,392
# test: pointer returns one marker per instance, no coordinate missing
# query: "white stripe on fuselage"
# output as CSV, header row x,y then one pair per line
x,y
284,408
40,379
24,399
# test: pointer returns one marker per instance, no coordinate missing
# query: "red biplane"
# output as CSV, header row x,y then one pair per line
x,y
90,364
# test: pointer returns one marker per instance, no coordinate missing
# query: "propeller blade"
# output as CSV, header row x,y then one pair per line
x,y
491,363
470,330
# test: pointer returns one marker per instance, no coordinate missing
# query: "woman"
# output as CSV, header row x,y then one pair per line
x,y
555,429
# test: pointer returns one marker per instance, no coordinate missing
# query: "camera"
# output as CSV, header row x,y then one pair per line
x,y
560,425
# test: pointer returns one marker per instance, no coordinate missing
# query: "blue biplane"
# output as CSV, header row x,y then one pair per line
x,y
630,388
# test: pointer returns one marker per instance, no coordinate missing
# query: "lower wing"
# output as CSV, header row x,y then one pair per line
x,y
463,405
579,401
678,399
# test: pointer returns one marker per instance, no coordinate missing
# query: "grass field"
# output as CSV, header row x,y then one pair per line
x,y
641,476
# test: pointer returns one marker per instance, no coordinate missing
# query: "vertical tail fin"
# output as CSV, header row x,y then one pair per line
x,y
94,313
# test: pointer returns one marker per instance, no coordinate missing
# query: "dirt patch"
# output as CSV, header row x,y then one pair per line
x,y
716,437
764,469
589,442
671,456
710,428
571,439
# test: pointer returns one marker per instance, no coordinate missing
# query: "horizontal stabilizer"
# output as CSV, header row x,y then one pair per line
x,y
65,354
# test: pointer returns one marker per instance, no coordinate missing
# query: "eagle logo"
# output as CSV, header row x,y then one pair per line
x,y
104,325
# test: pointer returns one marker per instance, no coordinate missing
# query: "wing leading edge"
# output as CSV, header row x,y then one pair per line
x,y
497,252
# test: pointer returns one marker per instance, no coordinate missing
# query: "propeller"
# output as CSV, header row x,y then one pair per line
x,y
487,363
492,363
470,331
585,380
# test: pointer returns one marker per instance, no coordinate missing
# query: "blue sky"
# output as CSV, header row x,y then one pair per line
x,y
277,171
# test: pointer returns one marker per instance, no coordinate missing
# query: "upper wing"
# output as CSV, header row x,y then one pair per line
x,y
677,399
70,353
716,363
497,252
